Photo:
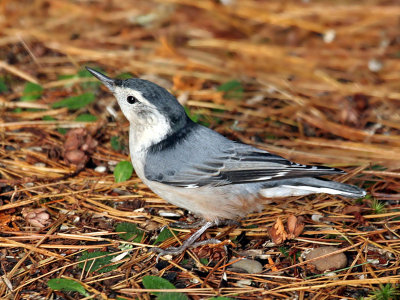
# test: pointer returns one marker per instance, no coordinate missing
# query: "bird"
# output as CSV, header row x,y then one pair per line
x,y
200,170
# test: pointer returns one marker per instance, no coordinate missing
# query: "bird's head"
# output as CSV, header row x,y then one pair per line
x,y
144,103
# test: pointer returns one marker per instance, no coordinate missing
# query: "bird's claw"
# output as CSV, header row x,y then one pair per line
x,y
182,248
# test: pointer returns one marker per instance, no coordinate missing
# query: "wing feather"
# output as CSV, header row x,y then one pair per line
x,y
224,163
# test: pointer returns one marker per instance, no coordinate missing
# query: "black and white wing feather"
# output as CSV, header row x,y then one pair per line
x,y
197,156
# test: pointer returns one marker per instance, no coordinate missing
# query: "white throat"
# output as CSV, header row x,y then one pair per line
x,y
141,137
152,131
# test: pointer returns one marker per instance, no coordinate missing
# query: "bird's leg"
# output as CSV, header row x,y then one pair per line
x,y
184,225
188,243
228,222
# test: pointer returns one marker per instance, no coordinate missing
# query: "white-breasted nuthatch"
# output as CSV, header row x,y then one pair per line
x,y
198,169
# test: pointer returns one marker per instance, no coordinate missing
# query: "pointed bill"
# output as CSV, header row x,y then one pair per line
x,y
107,81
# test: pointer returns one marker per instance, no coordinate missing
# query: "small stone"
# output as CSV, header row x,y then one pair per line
x,y
248,265
243,282
375,65
331,262
316,217
35,148
100,169
64,227
329,36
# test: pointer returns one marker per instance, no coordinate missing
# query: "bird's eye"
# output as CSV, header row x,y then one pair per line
x,y
131,99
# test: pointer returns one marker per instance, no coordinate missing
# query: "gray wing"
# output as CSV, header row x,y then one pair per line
x,y
198,156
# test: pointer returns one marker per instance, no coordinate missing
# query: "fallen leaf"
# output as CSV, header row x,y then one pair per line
x,y
295,226
277,232
272,265
351,209
291,223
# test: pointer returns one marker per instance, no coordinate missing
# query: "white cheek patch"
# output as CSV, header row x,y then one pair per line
x,y
128,109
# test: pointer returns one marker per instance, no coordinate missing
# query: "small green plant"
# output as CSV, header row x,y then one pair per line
x,y
101,265
164,235
123,171
232,89
116,143
193,117
75,102
284,251
88,86
154,282
3,86
62,130
130,232
86,118
125,75
32,92
68,285
48,118
385,292
377,207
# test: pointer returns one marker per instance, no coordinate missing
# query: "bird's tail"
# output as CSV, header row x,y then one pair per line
x,y
309,185
321,185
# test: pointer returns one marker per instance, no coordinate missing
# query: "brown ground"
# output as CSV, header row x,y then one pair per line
x,y
315,82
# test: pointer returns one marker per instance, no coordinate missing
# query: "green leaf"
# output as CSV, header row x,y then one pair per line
x,y
116,143
252,226
284,251
124,76
130,230
123,171
99,263
62,130
68,285
204,261
154,282
193,117
164,235
90,85
65,76
75,102
48,118
232,89
172,296
378,168
86,118
3,86
32,92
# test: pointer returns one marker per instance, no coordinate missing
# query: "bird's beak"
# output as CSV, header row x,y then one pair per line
x,y
107,81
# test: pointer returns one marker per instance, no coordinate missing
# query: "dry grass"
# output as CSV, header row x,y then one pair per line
x,y
320,85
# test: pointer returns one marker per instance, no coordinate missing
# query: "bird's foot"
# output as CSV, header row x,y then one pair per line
x,y
182,248
184,225
227,222
188,243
